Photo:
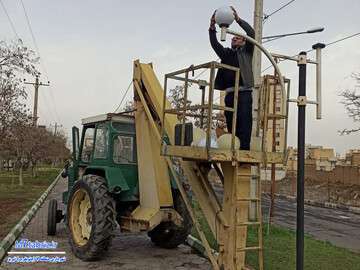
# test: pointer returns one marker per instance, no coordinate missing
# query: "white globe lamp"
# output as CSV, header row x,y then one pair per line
x,y
224,16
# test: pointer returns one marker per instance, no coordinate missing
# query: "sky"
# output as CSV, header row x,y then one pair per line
x,y
88,47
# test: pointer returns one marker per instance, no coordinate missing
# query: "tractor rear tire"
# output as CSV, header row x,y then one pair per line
x,y
169,235
52,217
91,218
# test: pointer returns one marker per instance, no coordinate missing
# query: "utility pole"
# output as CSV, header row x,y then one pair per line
x,y
258,24
56,126
36,96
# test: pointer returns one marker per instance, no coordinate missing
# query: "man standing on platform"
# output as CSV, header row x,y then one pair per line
x,y
239,55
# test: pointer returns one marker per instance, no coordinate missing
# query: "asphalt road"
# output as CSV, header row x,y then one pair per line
x,y
339,227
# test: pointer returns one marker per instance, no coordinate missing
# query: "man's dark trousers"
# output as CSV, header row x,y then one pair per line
x,y
243,119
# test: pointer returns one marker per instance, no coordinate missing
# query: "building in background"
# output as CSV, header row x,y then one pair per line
x,y
353,157
324,159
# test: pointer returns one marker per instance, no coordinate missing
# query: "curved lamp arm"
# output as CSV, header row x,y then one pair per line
x,y
268,55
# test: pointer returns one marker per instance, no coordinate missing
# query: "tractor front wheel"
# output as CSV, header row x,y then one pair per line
x,y
52,217
169,235
91,218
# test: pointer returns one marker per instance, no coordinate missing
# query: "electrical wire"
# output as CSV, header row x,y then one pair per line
x,y
267,16
9,19
336,41
327,45
266,41
41,62
202,72
123,97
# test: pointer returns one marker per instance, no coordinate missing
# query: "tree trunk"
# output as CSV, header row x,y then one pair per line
x,y
21,182
13,177
33,170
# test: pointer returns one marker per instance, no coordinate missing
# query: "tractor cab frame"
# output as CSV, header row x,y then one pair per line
x,y
107,148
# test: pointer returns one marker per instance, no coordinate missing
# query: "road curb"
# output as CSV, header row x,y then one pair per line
x,y
352,209
9,239
196,244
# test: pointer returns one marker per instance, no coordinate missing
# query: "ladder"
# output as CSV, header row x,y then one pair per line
x,y
237,200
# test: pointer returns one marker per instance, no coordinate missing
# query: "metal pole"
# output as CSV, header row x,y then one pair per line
x,y
202,104
318,47
273,149
301,163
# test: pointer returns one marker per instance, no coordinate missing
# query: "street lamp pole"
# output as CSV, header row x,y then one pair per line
x,y
301,163
310,31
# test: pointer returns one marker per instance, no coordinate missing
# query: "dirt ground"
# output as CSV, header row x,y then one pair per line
x,y
322,191
314,190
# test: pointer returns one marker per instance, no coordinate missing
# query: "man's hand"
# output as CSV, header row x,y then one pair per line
x,y
212,22
236,16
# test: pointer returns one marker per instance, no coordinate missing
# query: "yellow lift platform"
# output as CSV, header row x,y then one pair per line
x,y
229,219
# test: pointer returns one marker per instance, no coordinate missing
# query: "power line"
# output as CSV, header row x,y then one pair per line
x,y
275,38
123,98
267,16
30,28
327,45
202,72
336,41
9,19
41,62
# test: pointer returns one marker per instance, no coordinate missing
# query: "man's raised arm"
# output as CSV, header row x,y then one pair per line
x,y
218,48
248,30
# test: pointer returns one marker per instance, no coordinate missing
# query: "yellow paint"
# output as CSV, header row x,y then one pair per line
x,y
236,186
154,181
155,93
79,219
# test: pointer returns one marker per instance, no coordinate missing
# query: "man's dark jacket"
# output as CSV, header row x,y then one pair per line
x,y
241,57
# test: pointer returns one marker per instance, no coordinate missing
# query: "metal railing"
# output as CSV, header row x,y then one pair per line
x,y
185,110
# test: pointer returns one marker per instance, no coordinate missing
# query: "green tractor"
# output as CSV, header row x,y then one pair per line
x,y
103,191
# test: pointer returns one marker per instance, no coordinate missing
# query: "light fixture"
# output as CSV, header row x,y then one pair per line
x,y
315,30
224,16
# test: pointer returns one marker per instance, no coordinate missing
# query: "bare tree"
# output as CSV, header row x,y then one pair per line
x,y
351,101
18,142
19,139
15,59
176,99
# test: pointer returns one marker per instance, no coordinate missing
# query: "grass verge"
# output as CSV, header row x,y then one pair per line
x,y
16,200
280,251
